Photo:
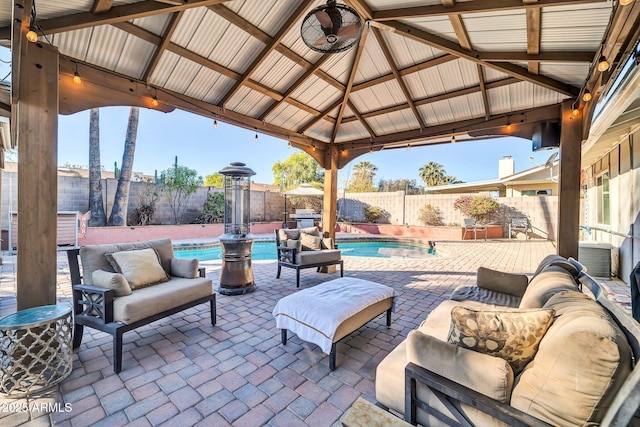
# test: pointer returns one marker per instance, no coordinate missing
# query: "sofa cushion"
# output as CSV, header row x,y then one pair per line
x,y
313,231
484,295
511,284
315,257
327,243
512,335
544,285
580,365
297,244
141,267
109,280
486,374
151,300
186,268
310,243
92,256
288,233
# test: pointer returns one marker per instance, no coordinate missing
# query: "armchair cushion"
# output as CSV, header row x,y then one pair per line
x,y
512,284
186,268
109,280
511,335
327,243
489,375
294,244
288,233
310,242
315,257
141,267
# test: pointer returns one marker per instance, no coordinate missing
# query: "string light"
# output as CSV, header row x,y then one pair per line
x,y
371,149
154,101
76,76
625,2
408,146
32,36
509,127
453,138
586,97
256,138
215,124
289,144
603,64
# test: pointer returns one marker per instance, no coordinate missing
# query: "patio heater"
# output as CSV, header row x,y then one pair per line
x,y
236,277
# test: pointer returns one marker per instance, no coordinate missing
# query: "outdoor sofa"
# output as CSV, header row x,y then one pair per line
x,y
301,248
127,285
473,361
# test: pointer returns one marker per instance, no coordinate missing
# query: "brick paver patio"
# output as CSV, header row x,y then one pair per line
x,y
181,371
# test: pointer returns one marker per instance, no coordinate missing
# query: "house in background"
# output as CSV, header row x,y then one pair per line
x,y
541,180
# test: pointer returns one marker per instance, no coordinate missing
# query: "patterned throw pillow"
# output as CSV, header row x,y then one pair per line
x,y
512,335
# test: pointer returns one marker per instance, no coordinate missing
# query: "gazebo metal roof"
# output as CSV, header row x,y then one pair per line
x,y
422,71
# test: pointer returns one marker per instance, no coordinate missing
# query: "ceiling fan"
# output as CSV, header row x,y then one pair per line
x,y
331,28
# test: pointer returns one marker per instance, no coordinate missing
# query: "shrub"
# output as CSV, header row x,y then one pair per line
x,y
477,207
430,215
147,199
212,209
373,213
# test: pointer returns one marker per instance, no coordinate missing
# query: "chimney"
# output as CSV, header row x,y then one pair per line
x,y
506,167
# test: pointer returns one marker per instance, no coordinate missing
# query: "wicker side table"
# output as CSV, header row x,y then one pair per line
x,y
35,349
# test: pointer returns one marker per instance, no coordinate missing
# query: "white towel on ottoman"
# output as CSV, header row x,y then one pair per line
x,y
314,314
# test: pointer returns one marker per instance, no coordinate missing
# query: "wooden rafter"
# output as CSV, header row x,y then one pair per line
x,y
436,98
296,85
284,29
455,49
394,69
347,90
162,46
321,116
475,6
101,6
361,7
361,118
534,25
483,91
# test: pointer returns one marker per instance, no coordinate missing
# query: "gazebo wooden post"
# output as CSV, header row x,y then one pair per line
x,y
36,123
330,198
569,183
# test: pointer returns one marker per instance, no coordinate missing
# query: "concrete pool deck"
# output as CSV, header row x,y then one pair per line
x,y
182,371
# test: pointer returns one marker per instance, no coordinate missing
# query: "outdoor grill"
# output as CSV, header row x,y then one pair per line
x,y
305,217
236,277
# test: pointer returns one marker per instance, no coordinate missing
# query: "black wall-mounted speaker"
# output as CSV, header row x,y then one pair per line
x,y
545,136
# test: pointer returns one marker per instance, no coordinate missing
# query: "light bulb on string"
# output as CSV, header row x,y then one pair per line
x,y
603,64
586,97
32,36
215,124
76,76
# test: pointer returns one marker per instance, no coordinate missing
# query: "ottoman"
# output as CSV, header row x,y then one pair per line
x,y
330,311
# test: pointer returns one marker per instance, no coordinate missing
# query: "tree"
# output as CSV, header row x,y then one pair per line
x,y
298,168
409,186
179,184
96,205
432,174
147,199
118,215
212,209
214,180
479,208
362,178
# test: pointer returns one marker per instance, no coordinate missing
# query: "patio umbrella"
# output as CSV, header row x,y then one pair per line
x,y
302,190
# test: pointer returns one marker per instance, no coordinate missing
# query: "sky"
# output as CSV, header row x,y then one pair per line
x,y
198,145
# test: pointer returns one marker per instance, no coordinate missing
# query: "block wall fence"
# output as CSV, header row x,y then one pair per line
x,y
73,195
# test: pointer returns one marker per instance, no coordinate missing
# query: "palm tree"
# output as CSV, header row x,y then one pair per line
x,y
118,215
432,174
362,178
96,205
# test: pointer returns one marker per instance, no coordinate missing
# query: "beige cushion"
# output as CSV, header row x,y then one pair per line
x,y
543,286
288,233
140,267
92,256
310,243
294,244
581,363
512,335
314,257
115,281
187,268
311,230
151,300
489,375
512,284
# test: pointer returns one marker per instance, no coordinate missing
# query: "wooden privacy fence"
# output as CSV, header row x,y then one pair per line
x,y
72,225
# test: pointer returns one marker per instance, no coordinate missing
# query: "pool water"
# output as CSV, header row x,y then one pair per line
x,y
267,251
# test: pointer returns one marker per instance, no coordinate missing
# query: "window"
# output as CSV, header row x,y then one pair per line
x,y
536,192
602,185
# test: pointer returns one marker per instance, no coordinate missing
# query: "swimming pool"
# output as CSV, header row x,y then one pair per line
x,y
267,250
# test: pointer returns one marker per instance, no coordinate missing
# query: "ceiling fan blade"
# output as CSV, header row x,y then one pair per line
x,y
349,31
325,20
322,40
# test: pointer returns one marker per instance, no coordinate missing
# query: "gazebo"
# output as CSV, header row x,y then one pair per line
x,y
411,74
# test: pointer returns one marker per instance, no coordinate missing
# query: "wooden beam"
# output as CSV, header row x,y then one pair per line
x,y
330,197
556,56
37,139
101,6
347,90
483,90
322,115
166,39
394,70
240,22
447,46
361,119
534,25
569,183
284,29
476,6
361,7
